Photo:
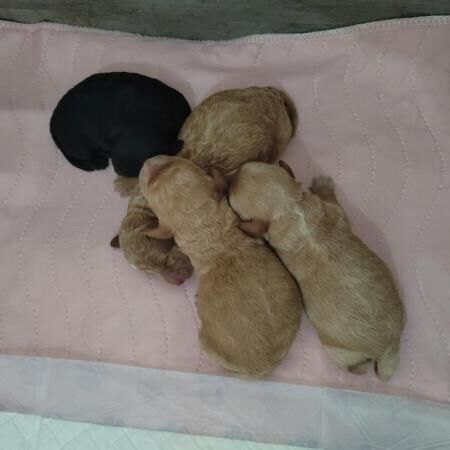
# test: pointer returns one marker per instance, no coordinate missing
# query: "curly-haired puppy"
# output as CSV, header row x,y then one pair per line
x,y
173,265
248,303
348,292
226,130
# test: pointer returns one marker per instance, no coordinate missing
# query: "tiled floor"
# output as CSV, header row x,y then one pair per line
x,y
26,432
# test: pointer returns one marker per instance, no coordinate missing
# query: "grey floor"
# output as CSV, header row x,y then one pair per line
x,y
216,19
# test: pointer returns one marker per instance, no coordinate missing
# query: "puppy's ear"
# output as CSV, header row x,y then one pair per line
x,y
285,166
115,242
254,227
151,168
220,182
159,232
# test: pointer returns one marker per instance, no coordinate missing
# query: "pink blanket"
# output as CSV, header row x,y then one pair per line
x,y
374,110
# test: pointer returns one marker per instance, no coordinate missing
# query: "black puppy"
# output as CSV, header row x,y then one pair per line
x,y
126,116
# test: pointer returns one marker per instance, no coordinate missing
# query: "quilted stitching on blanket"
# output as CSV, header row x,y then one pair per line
x,y
374,109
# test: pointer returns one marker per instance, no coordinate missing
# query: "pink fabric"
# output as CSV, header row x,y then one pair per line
x,y
374,112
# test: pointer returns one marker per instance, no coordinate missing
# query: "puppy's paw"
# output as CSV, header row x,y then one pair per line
x,y
125,186
322,186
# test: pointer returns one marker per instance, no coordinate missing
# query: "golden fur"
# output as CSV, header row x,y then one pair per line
x,y
248,303
226,130
173,265
348,292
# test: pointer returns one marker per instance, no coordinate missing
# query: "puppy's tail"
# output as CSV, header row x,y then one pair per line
x,y
386,364
291,111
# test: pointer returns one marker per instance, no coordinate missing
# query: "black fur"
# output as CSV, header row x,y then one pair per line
x,y
124,116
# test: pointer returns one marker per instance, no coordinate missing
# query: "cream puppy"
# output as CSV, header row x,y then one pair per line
x,y
348,292
226,130
248,303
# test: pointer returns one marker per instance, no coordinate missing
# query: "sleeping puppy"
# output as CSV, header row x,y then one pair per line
x,y
248,303
234,126
226,130
174,266
126,116
348,292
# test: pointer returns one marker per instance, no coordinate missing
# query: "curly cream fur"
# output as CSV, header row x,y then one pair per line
x,y
226,130
348,292
248,303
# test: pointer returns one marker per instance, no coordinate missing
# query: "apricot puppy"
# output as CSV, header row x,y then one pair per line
x,y
226,130
248,303
144,253
348,292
